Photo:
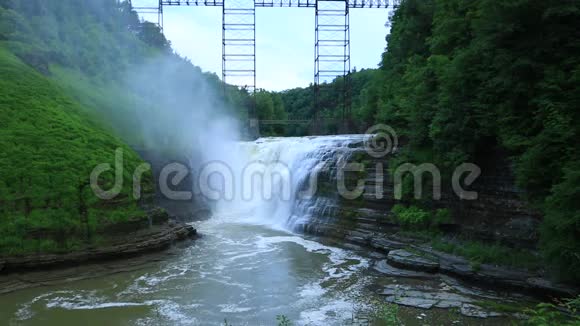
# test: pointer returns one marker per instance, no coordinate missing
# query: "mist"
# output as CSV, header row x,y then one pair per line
x,y
180,115
180,110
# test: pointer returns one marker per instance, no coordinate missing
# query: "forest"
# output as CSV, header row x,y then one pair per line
x,y
458,77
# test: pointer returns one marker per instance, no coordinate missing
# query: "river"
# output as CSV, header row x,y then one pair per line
x,y
247,268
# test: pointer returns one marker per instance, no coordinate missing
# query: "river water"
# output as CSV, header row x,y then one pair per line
x,y
246,269
244,273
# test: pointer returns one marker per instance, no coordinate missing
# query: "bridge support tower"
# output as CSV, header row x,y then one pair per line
x,y
331,45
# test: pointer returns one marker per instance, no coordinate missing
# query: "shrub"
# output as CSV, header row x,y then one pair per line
x,y
442,216
560,239
546,314
482,253
412,216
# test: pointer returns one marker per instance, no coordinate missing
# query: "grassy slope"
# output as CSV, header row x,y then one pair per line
x,y
48,147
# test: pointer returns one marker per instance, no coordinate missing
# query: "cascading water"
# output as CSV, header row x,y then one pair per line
x,y
288,199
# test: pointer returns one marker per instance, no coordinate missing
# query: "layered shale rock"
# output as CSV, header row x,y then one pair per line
x,y
497,216
143,241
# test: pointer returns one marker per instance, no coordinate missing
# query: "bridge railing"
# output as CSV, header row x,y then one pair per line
x,y
286,3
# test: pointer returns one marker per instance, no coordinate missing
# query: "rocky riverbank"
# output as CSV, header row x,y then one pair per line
x,y
498,217
136,249
406,253
152,239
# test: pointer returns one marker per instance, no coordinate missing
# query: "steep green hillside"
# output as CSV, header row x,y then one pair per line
x,y
80,79
48,149
118,67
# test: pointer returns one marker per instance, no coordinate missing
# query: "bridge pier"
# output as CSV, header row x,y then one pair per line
x,y
332,55
253,129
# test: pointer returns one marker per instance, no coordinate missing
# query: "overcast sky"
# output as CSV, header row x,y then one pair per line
x,y
284,41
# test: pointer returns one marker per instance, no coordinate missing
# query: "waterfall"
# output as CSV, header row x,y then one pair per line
x,y
292,164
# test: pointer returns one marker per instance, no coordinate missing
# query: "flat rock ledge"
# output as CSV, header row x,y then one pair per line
x,y
414,261
153,239
435,298
382,266
412,254
425,259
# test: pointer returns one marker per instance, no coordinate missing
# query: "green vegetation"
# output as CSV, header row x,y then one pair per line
x,y
298,104
459,77
477,252
485,253
413,217
49,148
565,313
283,320
269,106
503,307
387,314
66,105
424,225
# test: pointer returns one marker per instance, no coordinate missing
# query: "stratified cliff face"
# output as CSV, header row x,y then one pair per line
x,y
497,215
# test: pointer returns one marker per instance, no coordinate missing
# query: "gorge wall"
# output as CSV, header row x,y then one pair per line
x,y
497,215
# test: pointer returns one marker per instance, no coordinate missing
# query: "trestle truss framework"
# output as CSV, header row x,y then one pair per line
x,y
331,44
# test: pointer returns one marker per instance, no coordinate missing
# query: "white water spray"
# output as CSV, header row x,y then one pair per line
x,y
292,164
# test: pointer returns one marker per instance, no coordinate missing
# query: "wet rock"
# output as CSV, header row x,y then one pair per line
x,y
404,239
427,298
507,277
470,310
361,238
444,304
545,285
383,267
377,255
412,302
451,263
386,245
405,259
497,275
424,298
352,246
52,277
465,270
158,216
451,284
